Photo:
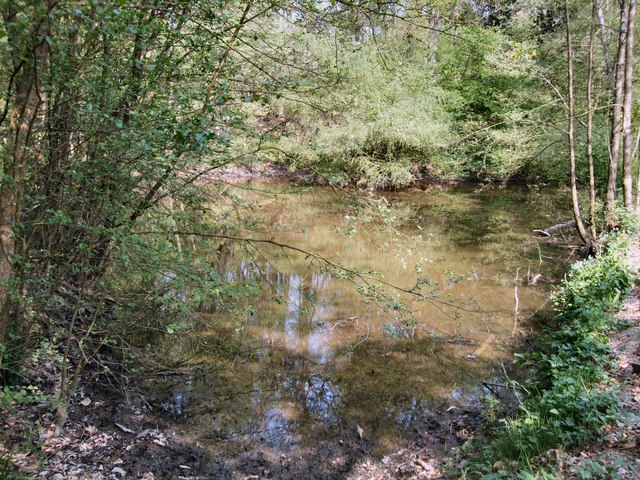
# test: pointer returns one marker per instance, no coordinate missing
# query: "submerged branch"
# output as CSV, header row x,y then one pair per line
x,y
547,232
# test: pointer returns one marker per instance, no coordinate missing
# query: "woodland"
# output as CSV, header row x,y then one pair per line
x,y
121,122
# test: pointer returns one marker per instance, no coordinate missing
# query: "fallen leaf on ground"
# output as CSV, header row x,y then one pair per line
x,y
118,471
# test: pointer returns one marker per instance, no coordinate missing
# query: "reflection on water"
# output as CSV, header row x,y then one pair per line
x,y
308,358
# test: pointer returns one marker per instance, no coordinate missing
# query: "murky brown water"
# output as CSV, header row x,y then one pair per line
x,y
307,358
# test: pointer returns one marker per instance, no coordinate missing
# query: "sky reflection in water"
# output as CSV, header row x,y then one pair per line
x,y
323,360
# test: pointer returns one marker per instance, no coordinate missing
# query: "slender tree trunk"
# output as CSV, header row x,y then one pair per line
x,y
627,108
435,36
22,117
7,247
597,5
616,114
592,178
635,155
570,134
12,190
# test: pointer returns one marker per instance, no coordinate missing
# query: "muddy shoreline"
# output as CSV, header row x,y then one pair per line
x,y
126,433
274,171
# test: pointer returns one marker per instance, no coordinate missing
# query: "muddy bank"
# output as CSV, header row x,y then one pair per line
x,y
115,434
422,180
110,434
237,174
120,427
259,171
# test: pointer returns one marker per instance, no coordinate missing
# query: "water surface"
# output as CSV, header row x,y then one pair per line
x,y
308,358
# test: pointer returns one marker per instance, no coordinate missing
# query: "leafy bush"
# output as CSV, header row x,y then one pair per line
x,y
12,396
405,109
594,287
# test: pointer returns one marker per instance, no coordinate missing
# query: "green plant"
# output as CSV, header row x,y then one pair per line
x,y
7,471
491,409
13,396
592,470
571,395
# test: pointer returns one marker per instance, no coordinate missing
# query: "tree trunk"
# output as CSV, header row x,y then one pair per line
x,y
570,134
627,108
616,115
597,5
635,154
592,177
22,117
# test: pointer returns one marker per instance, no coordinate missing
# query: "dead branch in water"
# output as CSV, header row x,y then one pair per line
x,y
547,232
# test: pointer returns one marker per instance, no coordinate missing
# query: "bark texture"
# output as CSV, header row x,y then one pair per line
x,y
627,109
22,115
616,113
570,133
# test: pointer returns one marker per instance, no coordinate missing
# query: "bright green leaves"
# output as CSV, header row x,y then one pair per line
x,y
13,396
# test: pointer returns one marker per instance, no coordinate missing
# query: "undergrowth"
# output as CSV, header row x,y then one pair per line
x,y
570,396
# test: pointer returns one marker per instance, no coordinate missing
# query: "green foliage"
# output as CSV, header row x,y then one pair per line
x,y
6,468
627,222
127,122
387,119
595,288
12,396
408,103
571,396
490,72
592,470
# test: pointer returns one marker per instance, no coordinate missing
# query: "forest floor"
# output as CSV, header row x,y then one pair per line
x,y
122,433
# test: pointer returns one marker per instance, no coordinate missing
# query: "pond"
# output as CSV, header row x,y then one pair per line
x,y
307,361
